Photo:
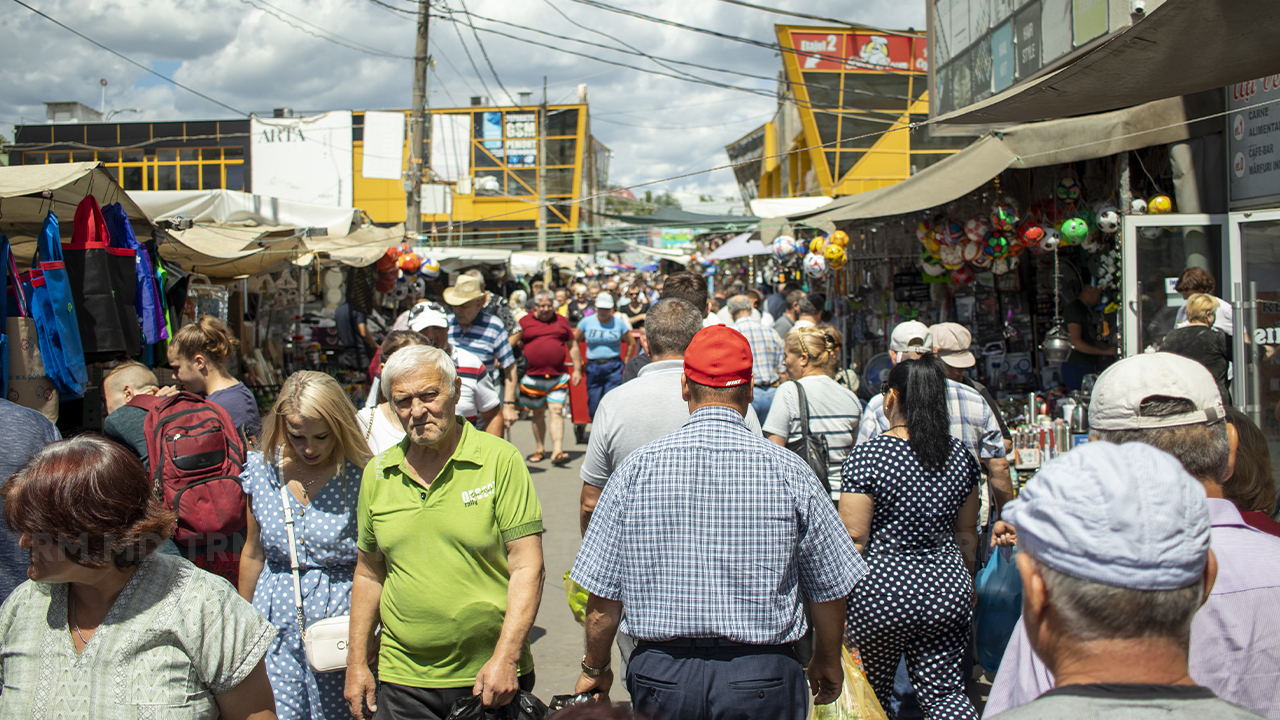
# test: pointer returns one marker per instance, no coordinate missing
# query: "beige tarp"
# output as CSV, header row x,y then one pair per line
x,y
1180,48
1052,142
222,207
527,263
360,248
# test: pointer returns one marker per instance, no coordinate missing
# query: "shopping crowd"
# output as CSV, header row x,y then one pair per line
x,y
746,516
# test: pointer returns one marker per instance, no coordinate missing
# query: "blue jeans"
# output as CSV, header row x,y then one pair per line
x,y
762,400
1073,374
705,683
601,378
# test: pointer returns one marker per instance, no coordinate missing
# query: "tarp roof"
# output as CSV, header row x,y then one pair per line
x,y
676,218
1180,48
229,206
781,207
1026,146
738,246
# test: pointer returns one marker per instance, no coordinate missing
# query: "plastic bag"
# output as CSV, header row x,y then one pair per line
x,y
999,590
577,596
857,700
525,706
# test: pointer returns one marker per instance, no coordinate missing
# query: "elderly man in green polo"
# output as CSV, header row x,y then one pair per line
x,y
450,557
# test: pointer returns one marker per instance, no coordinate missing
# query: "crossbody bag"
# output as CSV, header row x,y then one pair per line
x,y
325,642
813,449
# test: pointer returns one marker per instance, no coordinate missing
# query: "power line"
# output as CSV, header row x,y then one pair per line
x,y
685,127
470,59
388,6
133,62
788,13
485,53
328,35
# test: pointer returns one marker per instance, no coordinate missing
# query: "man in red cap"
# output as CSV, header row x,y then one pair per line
x,y
707,538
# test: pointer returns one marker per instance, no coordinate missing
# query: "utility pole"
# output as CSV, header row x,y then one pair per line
x,y
542,169
417,130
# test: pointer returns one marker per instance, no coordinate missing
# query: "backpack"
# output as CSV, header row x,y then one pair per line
x,y
195,457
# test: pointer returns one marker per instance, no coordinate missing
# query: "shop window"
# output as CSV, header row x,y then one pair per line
x,y
109,156
166,177
920,161
210,176
188,154
562,122
33,158
561,151
167,131
211,154
858,133
134,133
166,155
876,91
59,157
525,182
831,163
560,181
233,152
828,127
560,212
189,177
100,134
235,177
131,177
824,89
82,156
132,156
68,133
486,159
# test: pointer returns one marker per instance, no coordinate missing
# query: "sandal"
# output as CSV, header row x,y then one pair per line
x,y
535,457
560,460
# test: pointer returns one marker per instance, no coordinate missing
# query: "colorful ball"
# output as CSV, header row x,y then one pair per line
x,y
429,269
1052,239
976,228
1030,234
838,262
815,245
1159,205
970,251
930,265
783,246
926,229
833,253
1138,206
1109,221
950,234
983,261
840,238
951,255
1000,267
1004,217
962,276
815,265
387,262
1074,231
1068,189
409,262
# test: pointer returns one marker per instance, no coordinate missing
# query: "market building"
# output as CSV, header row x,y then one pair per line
x,y
485,163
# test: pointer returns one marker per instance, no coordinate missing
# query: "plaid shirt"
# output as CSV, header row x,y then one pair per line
x,y
487,339
971,421
713,531
766,349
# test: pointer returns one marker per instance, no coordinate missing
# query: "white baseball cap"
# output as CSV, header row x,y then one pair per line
x,y
604,301
1121,388
951,343
426,315
905,332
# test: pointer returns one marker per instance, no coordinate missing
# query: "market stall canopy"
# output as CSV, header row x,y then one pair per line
x,y
678,254
1052,142
1180,48
781,207
361,247
23,207
228,250
677,218
527,263
738,246
231,207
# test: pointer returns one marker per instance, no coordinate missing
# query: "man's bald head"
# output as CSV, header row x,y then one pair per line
x,y
126,380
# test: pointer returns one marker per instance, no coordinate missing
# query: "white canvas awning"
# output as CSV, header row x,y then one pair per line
x,y
738,246
781,207
231,207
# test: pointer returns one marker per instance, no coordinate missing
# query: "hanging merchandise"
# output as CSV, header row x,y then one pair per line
x,y
784,246
1138,206
930,265
23,374
1074,231
815,245
815,265
977,228
429,269
835,256
952,256
147,302
1057,344
1004,217
1068,189
983,261
1109,220
1052,239
1160,205
104,285
962,275
840,238
54,311
950,233
971,250
1030,234
409,263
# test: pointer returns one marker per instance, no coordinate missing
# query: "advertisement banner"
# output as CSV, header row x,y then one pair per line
x,y
1002,60
304,159
1026,43
855,51
1253,134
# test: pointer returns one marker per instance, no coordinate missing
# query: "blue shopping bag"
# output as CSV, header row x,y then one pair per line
x,y
999,590
147,297
55,314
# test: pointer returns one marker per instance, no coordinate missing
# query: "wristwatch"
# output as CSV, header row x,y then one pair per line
x,y
593,672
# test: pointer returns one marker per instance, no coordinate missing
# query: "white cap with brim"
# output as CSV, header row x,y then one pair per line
x,y
951,344
423,316
604,301
1120,390
1121,515
905,332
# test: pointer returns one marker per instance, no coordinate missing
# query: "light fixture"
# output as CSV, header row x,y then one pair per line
x,y
1057,342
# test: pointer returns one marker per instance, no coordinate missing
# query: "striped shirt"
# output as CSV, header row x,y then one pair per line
x,y
1235,636
712,531
834,413
766,349
971,421
486,338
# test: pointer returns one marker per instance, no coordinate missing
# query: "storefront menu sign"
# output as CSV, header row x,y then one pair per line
x,y
1026,32
1254,134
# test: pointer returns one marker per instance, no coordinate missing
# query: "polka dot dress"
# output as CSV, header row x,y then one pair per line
x,y
916,598
326,542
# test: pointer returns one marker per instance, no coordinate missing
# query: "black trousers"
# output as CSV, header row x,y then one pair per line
x,y
733,683
403,702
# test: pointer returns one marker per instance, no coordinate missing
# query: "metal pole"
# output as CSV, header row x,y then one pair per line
x,y
417,119
542,170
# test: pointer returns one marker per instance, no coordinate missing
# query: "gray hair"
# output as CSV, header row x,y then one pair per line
x,y
670,325
738,305
518,297
409,360
1203,449
544,295
1093,611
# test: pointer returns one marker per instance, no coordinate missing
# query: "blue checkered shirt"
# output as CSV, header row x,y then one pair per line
x,y
766,349
487,339
971,421
713,531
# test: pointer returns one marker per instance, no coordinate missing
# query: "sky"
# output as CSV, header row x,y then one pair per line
x,y
317,55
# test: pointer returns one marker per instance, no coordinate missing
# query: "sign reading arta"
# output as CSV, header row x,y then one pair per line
x,y
1253,133
860,51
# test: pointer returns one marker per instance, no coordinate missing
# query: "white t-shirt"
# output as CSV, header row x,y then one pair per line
x,y
834,413
478,396
384,434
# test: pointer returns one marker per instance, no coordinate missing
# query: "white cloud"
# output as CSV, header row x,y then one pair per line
x,y
244,54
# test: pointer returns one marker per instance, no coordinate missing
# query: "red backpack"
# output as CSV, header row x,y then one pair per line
x,y
195,457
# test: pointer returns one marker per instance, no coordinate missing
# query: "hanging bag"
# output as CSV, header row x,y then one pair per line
x,y
146,302
325,642
103,286
25,381
999,589
54,310
811,448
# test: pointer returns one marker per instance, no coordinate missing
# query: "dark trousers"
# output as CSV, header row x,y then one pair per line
x,y
601,378
735,683
402,702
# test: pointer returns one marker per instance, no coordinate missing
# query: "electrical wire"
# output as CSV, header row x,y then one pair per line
x,y
389,6
480,77
485,53
789,13
328,36
133,62
686,127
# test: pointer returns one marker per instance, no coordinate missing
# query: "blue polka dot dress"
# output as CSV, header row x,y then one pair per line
x,y
326,541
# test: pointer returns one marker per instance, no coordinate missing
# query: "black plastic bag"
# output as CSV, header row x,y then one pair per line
x,y
525,706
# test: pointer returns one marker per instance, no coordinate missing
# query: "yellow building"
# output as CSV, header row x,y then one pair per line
x,y
842,89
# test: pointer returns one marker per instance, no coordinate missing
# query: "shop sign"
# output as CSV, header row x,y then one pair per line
x,y
1055,30
858,51
1253,135
1002,57
1026,32
676,238
1089,20
305,159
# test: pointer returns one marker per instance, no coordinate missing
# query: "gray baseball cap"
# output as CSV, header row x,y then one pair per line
x,y
1122,515
905,332
1121,388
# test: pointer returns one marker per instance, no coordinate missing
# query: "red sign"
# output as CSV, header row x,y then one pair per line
x,y
859,51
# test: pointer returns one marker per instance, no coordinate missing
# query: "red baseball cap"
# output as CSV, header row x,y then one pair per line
x,y
718,356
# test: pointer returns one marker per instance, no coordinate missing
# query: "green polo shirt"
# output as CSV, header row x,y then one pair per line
x,y
445,595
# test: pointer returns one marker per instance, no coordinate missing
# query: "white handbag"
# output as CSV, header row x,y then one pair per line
x,y
326,640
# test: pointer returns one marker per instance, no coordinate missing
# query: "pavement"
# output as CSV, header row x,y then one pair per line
x,y
557,637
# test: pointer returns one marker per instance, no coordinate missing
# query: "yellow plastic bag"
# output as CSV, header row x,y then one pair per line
x,y
577,596
857,700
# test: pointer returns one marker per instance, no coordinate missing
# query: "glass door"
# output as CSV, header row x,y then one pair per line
x,y
1255,245
1155,251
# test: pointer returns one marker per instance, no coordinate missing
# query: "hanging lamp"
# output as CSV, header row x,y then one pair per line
x,y
1057,342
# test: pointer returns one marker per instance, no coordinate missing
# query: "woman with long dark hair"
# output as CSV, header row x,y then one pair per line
x,y
909,499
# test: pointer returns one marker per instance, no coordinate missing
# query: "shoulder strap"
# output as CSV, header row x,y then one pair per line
x,y
293,555
804,410
368,430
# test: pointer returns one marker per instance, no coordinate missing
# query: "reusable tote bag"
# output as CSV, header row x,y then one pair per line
x,y
54,311
103,286
146,302
25,381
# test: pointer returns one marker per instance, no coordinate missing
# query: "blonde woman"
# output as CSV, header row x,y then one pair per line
x,y
834,411
1201,341
312,446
